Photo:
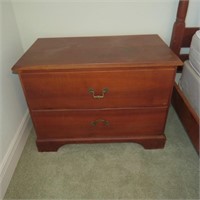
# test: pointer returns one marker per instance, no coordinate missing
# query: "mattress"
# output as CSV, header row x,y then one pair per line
x,y
194,53
189,83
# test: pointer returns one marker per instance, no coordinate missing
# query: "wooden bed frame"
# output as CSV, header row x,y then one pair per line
x,y
181,37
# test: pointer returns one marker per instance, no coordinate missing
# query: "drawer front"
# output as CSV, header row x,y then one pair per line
x,y
119,123
98,89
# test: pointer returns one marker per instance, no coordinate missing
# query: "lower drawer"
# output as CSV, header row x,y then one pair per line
x,y
107,123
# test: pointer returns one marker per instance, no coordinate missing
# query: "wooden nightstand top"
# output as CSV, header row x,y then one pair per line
x,y
99,52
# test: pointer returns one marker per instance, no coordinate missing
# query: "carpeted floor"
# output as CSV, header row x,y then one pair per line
x,y
110,171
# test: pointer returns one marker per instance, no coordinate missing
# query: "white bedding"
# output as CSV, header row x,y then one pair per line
x,y
194,53
190,85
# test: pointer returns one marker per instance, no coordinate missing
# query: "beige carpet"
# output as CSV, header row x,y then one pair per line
x,y
110,171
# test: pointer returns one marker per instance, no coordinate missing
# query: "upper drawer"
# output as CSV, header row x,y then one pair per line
x,y
98,89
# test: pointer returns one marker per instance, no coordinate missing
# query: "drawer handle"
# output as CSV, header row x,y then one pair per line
x,y
104,91
105,122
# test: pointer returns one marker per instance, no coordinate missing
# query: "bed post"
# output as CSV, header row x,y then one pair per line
x,y
181,37
179,27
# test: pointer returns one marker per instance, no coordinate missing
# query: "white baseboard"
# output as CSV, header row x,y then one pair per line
x,y
13,154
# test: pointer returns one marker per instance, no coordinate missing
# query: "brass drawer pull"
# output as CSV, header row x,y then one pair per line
x,y
105,122
104,91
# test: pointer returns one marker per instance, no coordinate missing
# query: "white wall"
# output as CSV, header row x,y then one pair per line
x,y
54,18
12,99
1,155
12,104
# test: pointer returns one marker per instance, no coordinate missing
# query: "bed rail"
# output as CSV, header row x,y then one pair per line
x,y
181,37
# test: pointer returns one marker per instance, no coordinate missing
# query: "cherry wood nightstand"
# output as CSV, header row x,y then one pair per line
x,y
98,89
